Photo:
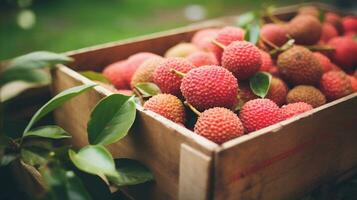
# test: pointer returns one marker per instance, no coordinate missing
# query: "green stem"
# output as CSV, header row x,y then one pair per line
x,y
178,73
198,113
218,44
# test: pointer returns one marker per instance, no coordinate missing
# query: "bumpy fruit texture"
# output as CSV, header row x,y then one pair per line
x,y
307,94
274,34
202,58
133,63
335,84
345,52
277,91
168,106
305,29
309,10
349,24
294,109
168,81
226,36
259,113
203,39
210,86
219,125
335,20
324,61
145,71
115,73
298,65
242,58
267,62
328,32
353,83
181,50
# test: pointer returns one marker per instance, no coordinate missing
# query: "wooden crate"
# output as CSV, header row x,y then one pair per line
x,y
283,161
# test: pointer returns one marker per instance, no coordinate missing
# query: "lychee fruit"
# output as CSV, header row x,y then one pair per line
x,y
145,71
307,94
242,58
267,61
305,29
324,61
134,61
335,84
349,24
328,32
203,38
309,10
353,82
210,86
259,113
201,58
181,50
274,33
293,109
345,52
219,125
226,36
115,73
167,81
168,106
335,20
277,91
298,65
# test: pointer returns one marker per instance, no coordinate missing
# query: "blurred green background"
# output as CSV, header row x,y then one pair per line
x,y
28,25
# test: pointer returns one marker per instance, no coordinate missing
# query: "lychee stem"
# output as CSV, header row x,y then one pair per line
x,y
273,18
269,43
138,94
320,48
178,73
198,113
218,44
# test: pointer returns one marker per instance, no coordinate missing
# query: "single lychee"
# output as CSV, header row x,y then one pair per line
x,y
203,38
353,82
259,113
201,58
349,24
226,36
335,20
335,84
267,61
328,32
145,71
242,58
210,86
277,91
298,65
167,81
309,10
345,52
115,73
219,125
274,33
134,61
307,94
305,29
293,109
168,106
324,61
181,50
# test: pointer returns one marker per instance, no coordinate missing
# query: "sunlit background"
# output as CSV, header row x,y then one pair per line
x,y
62,25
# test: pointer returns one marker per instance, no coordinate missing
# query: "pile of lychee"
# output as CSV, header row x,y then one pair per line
x,y
206,84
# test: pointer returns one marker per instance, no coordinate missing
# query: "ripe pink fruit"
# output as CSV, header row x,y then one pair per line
x,y
349,24
274,33
203,38
328,32
201,58
115,73
335,84
293,109
324,61
267,62
133,63
345,52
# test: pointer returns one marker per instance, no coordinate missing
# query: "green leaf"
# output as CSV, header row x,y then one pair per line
x,y
64,185
94,160
131,172
57,101
252,33
321,15
26,75
355,37
111,119
34,156
148,89
51,131
245,19
260,83
7,158
38,59
95,76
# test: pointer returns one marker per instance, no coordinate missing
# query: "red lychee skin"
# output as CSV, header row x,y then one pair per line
x,y
134,61
328,32
168,106
274,71
293,109
335,20
274,33
334,67
335,84
355,74
353,83
219,125
226,36
115,73
324,61
202,58
210,86
242,58
345,52
203,38
349,24
168,81
259,113
267,62
277,91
